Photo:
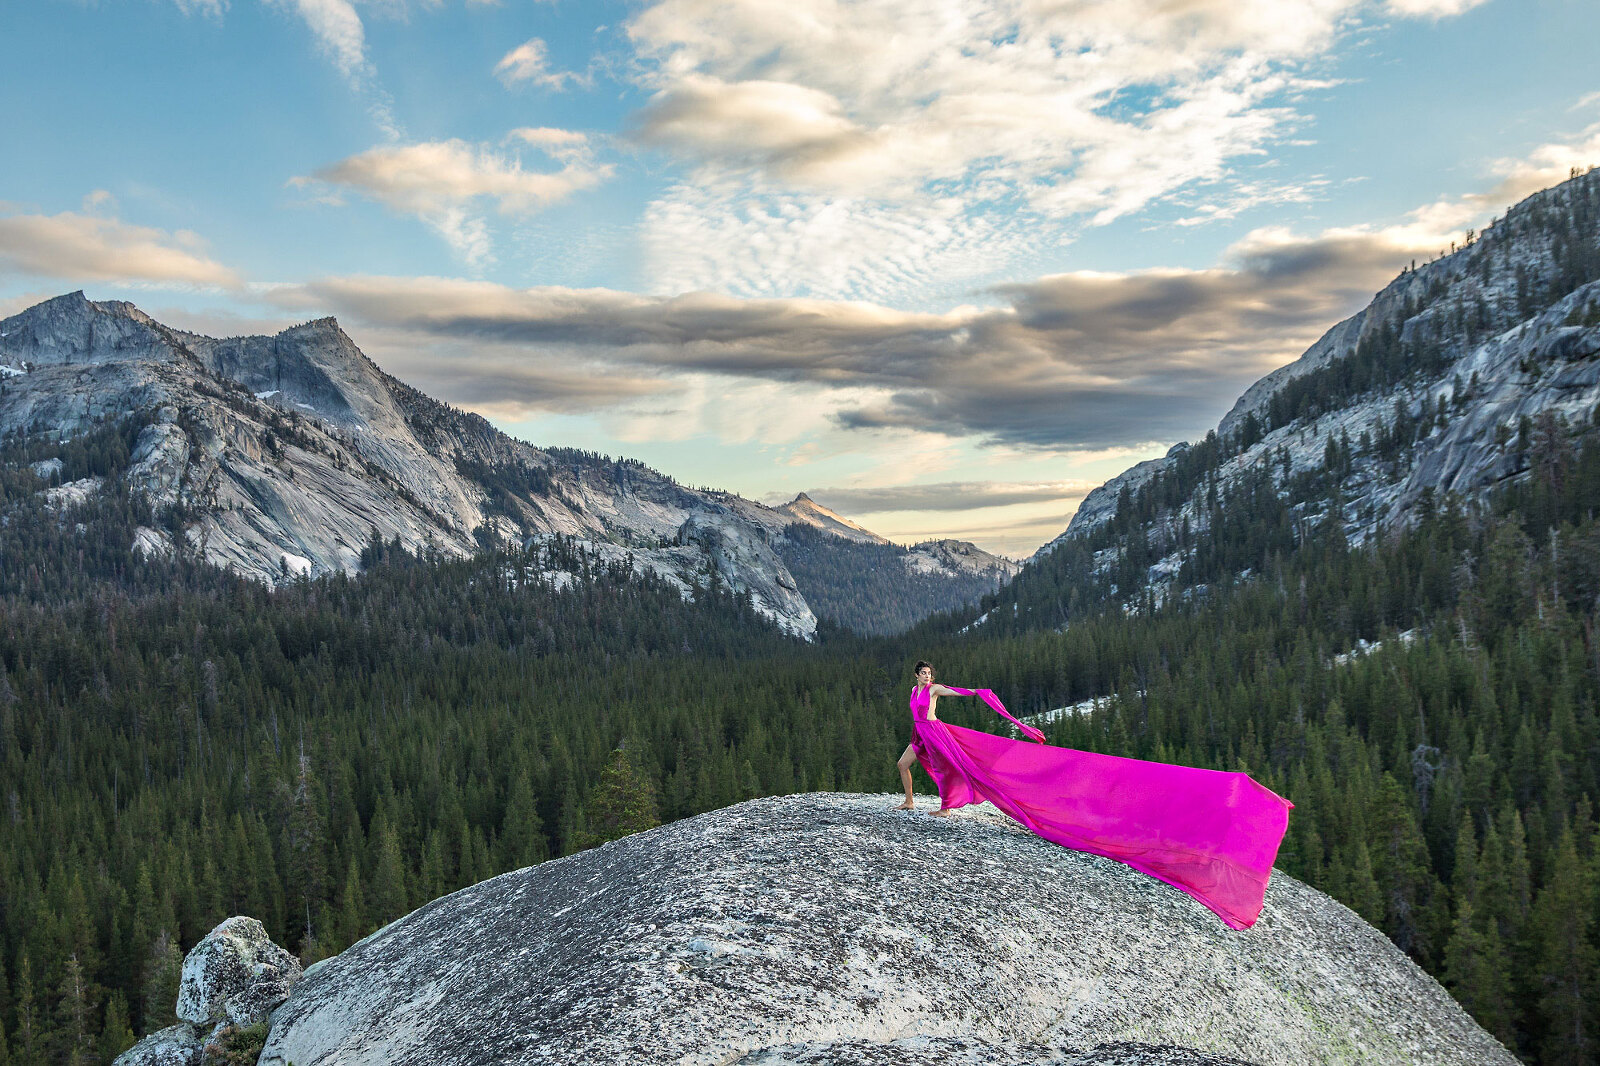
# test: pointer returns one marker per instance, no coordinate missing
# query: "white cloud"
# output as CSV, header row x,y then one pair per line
x,y
717,236
209,8
949,495
529,63
1433,8
434,175
796,131
81,247
442,182
567,146
847,116
339,33
99,200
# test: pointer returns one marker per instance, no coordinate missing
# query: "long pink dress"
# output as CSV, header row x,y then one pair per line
x,y
1210,833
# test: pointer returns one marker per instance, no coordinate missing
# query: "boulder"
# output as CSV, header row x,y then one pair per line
x,y
814,926
235,974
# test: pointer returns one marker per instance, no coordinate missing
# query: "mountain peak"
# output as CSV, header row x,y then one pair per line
x,y
804,509
327,325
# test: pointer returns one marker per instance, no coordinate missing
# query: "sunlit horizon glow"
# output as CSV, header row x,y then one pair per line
x,y
944,269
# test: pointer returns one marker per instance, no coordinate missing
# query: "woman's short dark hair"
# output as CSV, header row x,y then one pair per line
x,y
915,670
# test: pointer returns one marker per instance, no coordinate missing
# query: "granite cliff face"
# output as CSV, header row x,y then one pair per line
x,y
284,455
829,929
1501,333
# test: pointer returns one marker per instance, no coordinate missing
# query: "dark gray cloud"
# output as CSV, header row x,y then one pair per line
x,y
517,390
1072,361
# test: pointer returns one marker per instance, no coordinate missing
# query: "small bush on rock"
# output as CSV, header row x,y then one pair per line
x,y
236,1045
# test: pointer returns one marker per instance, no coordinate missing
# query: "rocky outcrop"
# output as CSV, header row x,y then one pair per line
x,y
958,557
746,562
160,458
830,929
73,493
234,976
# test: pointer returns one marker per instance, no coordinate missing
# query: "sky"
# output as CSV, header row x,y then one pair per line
x,y
945,265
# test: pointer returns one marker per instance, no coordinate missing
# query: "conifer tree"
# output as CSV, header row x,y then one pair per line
x,y
73,1016
307,845
1400,868
5,999
1566,978
116,1036
389,877
1475,973
621,803
352,907
162,972
1362,893
522,840
29,1039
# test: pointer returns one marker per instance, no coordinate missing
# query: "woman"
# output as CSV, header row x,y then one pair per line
x,y
1210,833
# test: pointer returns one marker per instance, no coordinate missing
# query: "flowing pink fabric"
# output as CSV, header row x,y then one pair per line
x,y
1210,833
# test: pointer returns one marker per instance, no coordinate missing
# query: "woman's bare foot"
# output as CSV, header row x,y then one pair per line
x,y
942,812
908,805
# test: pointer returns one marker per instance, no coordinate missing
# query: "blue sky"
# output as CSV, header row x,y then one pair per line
x,y
945,265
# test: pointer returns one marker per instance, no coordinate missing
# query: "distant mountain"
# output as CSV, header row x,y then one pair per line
x,y
804,509
1463,374
286,455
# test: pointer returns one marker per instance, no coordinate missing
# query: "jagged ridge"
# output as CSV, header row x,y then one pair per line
x,y
284,455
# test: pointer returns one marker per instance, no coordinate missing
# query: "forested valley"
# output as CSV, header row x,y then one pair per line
x,y
178,745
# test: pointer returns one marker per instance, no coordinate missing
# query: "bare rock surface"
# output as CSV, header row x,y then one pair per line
x,y
176,1045
807,925
957,556
73,493
957,1051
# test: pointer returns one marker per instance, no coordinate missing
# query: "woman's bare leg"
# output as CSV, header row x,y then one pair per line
x,y
907,757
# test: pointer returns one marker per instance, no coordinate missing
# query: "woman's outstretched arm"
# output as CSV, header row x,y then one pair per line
x,y
940,690
999,708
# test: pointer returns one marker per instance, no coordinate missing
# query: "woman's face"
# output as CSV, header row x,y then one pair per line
x,y
925,676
